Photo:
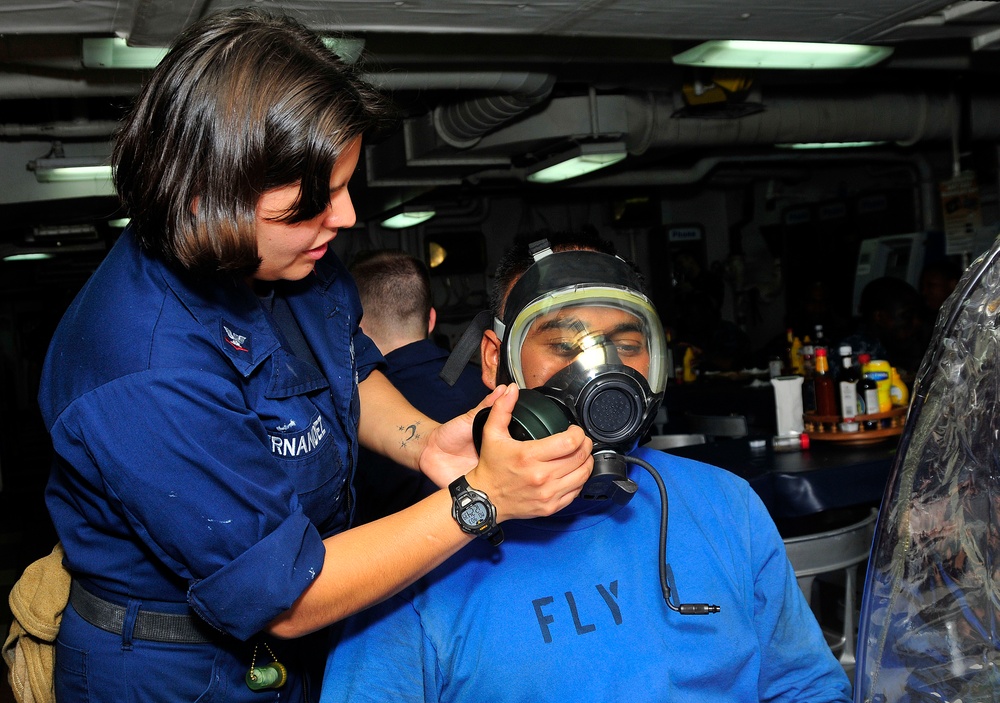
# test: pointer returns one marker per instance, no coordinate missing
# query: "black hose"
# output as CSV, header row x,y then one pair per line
x,y
666,573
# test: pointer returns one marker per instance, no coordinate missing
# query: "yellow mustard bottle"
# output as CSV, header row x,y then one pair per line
x,y
899,394
878,371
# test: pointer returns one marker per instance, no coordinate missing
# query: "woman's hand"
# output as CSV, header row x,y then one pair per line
x,y
526,479
449,451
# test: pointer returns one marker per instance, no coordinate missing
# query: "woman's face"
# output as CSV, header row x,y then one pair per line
x,y
290,251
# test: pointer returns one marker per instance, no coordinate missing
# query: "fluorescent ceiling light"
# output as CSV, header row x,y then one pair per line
x,y
113,52
409,217
781,55
61,170
33,256
578,161
120,223
829,145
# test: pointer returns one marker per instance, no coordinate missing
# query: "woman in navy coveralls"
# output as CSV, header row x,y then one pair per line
x,y
207,390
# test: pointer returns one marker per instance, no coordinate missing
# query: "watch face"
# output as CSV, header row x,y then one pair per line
x,y
474,514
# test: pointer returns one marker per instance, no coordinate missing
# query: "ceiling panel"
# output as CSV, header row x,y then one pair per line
x,y
856,20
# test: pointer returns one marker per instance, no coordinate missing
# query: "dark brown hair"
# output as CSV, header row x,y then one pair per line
x,y
244,102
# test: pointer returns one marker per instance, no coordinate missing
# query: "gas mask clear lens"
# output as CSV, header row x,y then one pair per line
x,y
579,326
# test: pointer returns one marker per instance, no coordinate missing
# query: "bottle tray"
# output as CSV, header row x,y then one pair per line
x,y
826,428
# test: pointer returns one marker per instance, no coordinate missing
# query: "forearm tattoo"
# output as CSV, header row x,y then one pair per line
x,y
410,433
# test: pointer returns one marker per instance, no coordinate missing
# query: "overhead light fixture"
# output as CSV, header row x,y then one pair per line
x,y
31,256
781,55
829,145
62,169
56,167
114,52
409,216
581,159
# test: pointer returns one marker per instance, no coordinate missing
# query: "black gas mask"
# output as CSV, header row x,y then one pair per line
x,y
583,307
609,400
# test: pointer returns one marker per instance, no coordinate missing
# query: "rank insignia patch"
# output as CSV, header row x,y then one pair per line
x,y
237,339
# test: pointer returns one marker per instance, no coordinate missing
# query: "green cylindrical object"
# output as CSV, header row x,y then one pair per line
x,y
271,675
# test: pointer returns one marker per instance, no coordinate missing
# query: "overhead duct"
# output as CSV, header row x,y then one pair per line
x,y
463,124
649,122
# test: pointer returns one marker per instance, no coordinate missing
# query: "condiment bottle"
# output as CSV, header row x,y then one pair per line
x,y
848,390
826,396
867,393
899,394
795,358
690,374
878,371
809,371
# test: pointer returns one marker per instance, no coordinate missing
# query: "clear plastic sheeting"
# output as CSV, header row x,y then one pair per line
x,y
928,627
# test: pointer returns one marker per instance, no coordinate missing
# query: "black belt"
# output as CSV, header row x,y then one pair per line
x,y
155,627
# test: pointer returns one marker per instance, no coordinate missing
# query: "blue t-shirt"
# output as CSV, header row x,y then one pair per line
x,y
570,608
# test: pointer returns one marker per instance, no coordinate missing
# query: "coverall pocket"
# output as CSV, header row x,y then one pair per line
x,y
71,682
216,685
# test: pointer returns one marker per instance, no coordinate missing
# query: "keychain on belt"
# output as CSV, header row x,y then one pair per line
x,y
272,675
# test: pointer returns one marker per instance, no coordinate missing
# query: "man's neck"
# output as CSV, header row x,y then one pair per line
x,y
391,343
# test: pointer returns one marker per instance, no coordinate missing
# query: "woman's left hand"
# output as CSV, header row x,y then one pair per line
x,y
449,451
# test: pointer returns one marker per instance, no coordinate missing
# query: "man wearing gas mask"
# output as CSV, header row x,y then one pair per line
x,y
594,603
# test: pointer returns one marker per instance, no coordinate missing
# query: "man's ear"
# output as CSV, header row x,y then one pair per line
x,y
489,356
431,321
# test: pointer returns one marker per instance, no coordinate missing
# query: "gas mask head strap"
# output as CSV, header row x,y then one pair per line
x,y
538,250
556,271
468,343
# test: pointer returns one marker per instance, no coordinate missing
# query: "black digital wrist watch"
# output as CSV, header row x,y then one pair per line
x,y
474,512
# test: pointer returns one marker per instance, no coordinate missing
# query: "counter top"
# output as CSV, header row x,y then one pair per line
x,y
797,484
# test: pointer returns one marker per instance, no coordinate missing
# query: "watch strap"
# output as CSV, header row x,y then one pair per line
x,y
460,491
459,486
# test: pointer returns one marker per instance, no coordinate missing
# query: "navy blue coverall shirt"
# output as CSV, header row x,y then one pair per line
x,y
198,465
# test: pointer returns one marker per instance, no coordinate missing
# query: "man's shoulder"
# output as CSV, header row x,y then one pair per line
x,y
421,351
691,471
414,369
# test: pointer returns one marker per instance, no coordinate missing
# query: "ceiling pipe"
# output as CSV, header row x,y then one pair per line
x,y
76,129
907,118
18,83
15,85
